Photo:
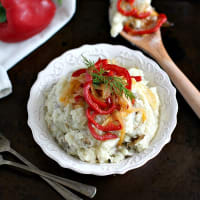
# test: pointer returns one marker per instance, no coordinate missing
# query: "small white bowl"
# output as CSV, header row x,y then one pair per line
x,y
70,61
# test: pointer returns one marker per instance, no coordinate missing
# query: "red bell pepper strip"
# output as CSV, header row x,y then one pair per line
x,y
133,101
106,136
78,98
160,21
92,104
141,15
111,73
137,78
97,101
78,72
109,127
133,12
120,71
88,77
125,12
98,64
25,18
117,70
101,63
130,1
102,104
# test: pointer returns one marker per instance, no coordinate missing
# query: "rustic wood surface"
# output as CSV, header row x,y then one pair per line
x,y
173,174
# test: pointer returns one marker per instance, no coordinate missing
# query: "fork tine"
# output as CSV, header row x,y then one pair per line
x,y
4,143
3,137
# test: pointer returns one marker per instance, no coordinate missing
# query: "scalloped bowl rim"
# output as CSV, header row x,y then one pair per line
x,y
103,169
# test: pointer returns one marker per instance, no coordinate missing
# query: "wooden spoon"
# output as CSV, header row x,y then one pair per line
x,y
153,45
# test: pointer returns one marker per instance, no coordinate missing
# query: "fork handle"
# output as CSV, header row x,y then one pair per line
x,y
84,189
64,192
183,84
47,175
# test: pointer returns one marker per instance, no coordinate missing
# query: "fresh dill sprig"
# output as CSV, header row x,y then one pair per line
x,y
87,62
116,84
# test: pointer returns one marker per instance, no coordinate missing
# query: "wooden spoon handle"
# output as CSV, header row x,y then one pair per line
x,y
153,45
183,84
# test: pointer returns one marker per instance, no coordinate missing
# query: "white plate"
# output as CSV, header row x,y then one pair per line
x,y
71,60
11,53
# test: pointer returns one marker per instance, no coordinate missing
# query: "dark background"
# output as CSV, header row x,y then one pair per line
x,y
173,174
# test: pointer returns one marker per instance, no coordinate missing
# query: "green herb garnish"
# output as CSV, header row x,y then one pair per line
x,y
59,2
116,84
87,62
2,14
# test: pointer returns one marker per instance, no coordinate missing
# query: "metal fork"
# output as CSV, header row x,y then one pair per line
x,y
57,179
87,190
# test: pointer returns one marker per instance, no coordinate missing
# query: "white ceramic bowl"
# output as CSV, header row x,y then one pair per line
x,y
72,60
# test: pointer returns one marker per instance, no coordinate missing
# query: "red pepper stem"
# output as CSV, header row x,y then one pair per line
x,y
2,14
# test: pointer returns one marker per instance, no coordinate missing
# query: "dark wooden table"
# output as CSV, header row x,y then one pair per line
x,y
173,174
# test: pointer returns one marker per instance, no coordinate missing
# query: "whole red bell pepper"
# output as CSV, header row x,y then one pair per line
x,y
25,18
